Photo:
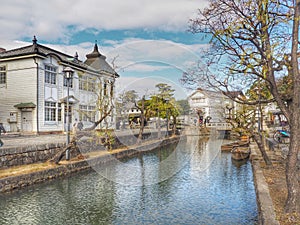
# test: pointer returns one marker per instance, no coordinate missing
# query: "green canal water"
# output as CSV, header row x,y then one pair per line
x,y
190,183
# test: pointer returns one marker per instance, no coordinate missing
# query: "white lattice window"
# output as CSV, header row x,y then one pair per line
x,y
50,111
2,74
50,74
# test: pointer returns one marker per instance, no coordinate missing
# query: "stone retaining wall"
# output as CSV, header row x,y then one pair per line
x,y
14,182
41,153
264,202
29,154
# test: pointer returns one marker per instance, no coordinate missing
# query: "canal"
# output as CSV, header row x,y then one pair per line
x,y
189,183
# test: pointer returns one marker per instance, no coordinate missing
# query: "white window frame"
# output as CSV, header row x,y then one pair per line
x,y
50,74
50,111
3,74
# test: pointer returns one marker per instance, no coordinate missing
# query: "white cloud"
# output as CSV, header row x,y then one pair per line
x,y
160,52
143,67
137,57
57,20
146,86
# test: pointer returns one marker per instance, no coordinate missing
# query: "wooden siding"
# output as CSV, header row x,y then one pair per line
x,y
20,87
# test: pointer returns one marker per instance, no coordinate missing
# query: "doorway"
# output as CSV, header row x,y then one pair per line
x,y
26,121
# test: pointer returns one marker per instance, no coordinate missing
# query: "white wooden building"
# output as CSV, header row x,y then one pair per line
x,y
211,106
33,88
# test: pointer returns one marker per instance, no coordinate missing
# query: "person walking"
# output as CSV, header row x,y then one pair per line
x,y
80,125
4,131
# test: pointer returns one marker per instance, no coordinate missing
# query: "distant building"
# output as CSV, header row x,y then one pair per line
x,y
211,106
33,88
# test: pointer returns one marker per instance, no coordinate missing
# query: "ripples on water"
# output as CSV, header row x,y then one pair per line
x,y
204,187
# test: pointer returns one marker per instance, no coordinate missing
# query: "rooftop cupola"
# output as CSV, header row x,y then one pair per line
x,y
97,61
95,53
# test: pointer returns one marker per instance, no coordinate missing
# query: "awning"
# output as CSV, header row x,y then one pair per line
x,y
25,105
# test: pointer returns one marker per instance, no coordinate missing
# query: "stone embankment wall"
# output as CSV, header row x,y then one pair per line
x,y
15,182
28,154
41,153
264,202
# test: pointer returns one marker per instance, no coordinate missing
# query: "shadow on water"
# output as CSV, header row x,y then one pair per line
x,y
191,183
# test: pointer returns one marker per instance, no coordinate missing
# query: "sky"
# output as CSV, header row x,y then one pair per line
x,y
146,41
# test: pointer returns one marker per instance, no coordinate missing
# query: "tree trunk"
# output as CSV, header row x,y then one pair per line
x,y
174,125
292,171
261,146
59,156
140,136
74,150
142,125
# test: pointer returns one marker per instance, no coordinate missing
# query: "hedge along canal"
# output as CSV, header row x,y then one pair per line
x,y
99,158
193,184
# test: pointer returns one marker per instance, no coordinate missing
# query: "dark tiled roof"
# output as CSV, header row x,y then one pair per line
x,y
98,62
95,61
41,50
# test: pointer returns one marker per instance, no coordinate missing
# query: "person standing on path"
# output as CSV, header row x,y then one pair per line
x,y
80,125
4,131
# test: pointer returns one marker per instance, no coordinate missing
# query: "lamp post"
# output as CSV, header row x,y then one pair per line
x,y
68,72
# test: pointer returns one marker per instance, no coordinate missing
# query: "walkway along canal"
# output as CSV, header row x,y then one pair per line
x,y
189,183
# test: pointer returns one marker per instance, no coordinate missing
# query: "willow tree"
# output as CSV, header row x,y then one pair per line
x,y
251,41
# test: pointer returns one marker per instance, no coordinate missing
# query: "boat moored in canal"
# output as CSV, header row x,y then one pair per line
x,y
230,146
240,153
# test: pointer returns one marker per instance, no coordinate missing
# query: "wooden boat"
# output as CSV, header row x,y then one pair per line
x,y
243,143
230,146
240,153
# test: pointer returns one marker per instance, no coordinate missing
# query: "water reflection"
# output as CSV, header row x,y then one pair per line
x,y
204,188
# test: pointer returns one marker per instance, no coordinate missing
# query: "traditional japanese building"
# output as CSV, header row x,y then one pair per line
x,y
212,106
34,90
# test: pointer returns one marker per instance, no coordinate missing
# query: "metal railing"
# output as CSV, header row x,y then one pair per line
x,y
219,125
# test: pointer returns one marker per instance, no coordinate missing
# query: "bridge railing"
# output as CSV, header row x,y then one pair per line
x,y
219,125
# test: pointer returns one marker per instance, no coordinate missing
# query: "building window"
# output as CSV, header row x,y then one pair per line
x,y
2,74
50,74
82,113
87,84
87,113
70,82
198,100
82,83
59,110
50,111
92,113
91,84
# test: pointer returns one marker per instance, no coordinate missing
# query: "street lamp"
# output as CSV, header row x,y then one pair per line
x,y
68,72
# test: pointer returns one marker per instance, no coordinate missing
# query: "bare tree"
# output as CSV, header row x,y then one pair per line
x,y
104,106
252,41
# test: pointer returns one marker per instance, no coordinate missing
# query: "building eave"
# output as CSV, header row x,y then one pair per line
x,y
23,56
